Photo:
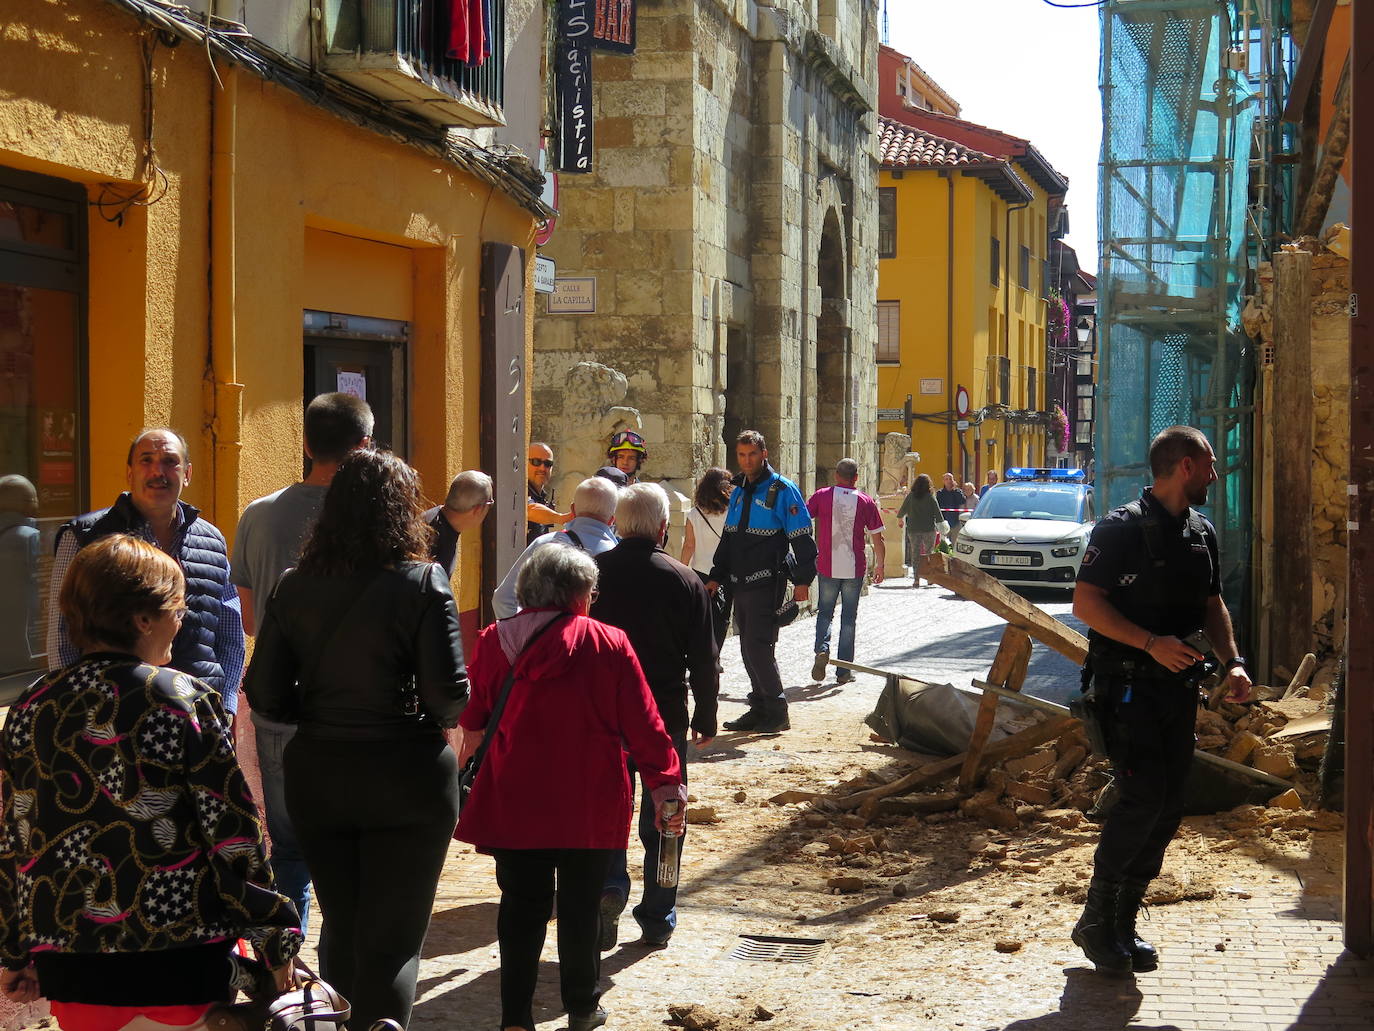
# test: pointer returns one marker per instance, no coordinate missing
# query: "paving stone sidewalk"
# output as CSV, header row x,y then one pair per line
x,y
1281,968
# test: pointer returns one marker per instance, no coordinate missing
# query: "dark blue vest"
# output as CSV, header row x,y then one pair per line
x,y
200,550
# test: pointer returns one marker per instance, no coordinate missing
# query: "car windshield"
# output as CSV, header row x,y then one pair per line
x,y
1031,501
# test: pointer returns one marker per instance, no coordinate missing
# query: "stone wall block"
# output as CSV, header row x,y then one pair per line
x,y
633,166
629,99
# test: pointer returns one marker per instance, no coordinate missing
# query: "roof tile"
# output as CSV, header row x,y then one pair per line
x,y
901,146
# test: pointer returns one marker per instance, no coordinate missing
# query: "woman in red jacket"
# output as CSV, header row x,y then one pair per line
x,y
553,795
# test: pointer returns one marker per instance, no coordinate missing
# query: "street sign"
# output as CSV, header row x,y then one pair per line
x,y
573,296
545,274
961,402
932,386
890,414
549,196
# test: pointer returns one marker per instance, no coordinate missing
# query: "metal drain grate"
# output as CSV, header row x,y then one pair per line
x,y
772,949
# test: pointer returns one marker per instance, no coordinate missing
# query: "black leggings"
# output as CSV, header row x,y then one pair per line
x,y
526,878
374,819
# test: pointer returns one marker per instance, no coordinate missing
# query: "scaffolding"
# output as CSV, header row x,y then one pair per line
x,y
1191,91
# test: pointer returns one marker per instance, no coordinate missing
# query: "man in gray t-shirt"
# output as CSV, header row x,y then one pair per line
x,y
272,531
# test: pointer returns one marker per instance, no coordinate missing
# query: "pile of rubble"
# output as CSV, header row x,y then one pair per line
x,y
1045,771
1283,733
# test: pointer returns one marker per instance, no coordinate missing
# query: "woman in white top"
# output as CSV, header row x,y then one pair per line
x,y
705,524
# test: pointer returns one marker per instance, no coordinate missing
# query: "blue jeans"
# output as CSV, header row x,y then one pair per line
x,y
288,862
847,590
656,914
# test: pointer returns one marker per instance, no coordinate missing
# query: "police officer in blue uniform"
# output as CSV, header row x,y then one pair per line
x,y
767,542
1149,582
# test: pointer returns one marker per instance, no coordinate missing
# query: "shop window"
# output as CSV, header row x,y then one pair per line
x,y
889,332
42,403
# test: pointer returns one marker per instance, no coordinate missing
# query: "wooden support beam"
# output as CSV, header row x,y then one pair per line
x,y
975,585
1359,683
1009,671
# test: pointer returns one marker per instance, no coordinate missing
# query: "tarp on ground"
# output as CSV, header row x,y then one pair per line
x,y
936,719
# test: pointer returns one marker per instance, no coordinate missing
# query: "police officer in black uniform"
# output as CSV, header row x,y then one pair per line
x,y
1150,580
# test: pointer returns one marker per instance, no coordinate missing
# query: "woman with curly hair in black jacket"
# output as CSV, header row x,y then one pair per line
x,y
360,649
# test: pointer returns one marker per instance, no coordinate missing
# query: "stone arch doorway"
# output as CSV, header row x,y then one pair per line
x,y
834,367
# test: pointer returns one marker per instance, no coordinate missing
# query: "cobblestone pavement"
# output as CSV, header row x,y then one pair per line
x,y
1268,958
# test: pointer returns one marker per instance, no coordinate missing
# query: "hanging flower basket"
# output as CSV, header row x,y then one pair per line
x,y
1059,420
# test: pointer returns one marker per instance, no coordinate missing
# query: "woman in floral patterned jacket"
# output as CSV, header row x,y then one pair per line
x,y
131,856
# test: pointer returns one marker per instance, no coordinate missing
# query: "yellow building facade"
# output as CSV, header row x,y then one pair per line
x,y
185,241
962,303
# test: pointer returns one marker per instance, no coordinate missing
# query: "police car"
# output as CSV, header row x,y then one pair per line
x,y
1031,530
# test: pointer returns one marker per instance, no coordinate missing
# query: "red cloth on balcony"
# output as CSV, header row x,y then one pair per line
x,y
468,31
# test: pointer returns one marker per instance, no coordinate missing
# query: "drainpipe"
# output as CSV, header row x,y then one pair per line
x,y
223,394
948,176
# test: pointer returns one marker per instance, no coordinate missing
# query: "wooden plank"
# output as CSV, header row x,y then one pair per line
x,y
972,583
1312,50
1302,676
1009,671
1359,683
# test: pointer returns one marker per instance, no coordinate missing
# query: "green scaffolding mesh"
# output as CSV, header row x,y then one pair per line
x,y
1176,148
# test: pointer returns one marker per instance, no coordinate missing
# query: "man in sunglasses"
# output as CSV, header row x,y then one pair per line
x,y
540,514
468,501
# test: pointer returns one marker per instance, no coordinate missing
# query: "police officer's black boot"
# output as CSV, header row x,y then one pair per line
x,y
1096,934
1128,903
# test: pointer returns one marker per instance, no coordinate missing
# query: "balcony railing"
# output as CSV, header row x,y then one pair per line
x,y
395,49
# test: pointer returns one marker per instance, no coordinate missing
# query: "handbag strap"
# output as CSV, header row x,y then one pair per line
x,y
698,511
500,707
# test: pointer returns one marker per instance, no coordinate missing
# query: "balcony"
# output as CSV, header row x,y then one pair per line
x,y
395,50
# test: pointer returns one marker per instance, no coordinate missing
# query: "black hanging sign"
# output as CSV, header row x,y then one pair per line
x,y
575,20
573,84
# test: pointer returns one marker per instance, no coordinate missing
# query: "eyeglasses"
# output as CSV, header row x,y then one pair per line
x,y
547,463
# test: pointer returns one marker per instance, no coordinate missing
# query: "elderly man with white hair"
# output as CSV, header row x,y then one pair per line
x,y
593,513
468,501
665,611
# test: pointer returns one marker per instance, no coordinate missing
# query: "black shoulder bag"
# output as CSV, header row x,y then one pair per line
x,y
467,776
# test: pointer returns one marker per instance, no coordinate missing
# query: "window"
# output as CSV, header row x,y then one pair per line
x,y
995,253
999,379
1023,269
1032,397
42,419
1045,284
889,332
887,222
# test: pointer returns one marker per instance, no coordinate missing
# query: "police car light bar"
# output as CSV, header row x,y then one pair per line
x,y
1063,475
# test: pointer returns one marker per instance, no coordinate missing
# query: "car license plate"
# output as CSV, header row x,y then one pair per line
x,y
1011,560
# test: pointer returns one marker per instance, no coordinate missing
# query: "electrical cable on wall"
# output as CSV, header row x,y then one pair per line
x,y
117,198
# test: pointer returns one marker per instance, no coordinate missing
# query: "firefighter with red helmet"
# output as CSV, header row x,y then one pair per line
x,y
627,453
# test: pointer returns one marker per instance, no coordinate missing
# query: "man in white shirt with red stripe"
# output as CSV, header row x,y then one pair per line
x,y
845,517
